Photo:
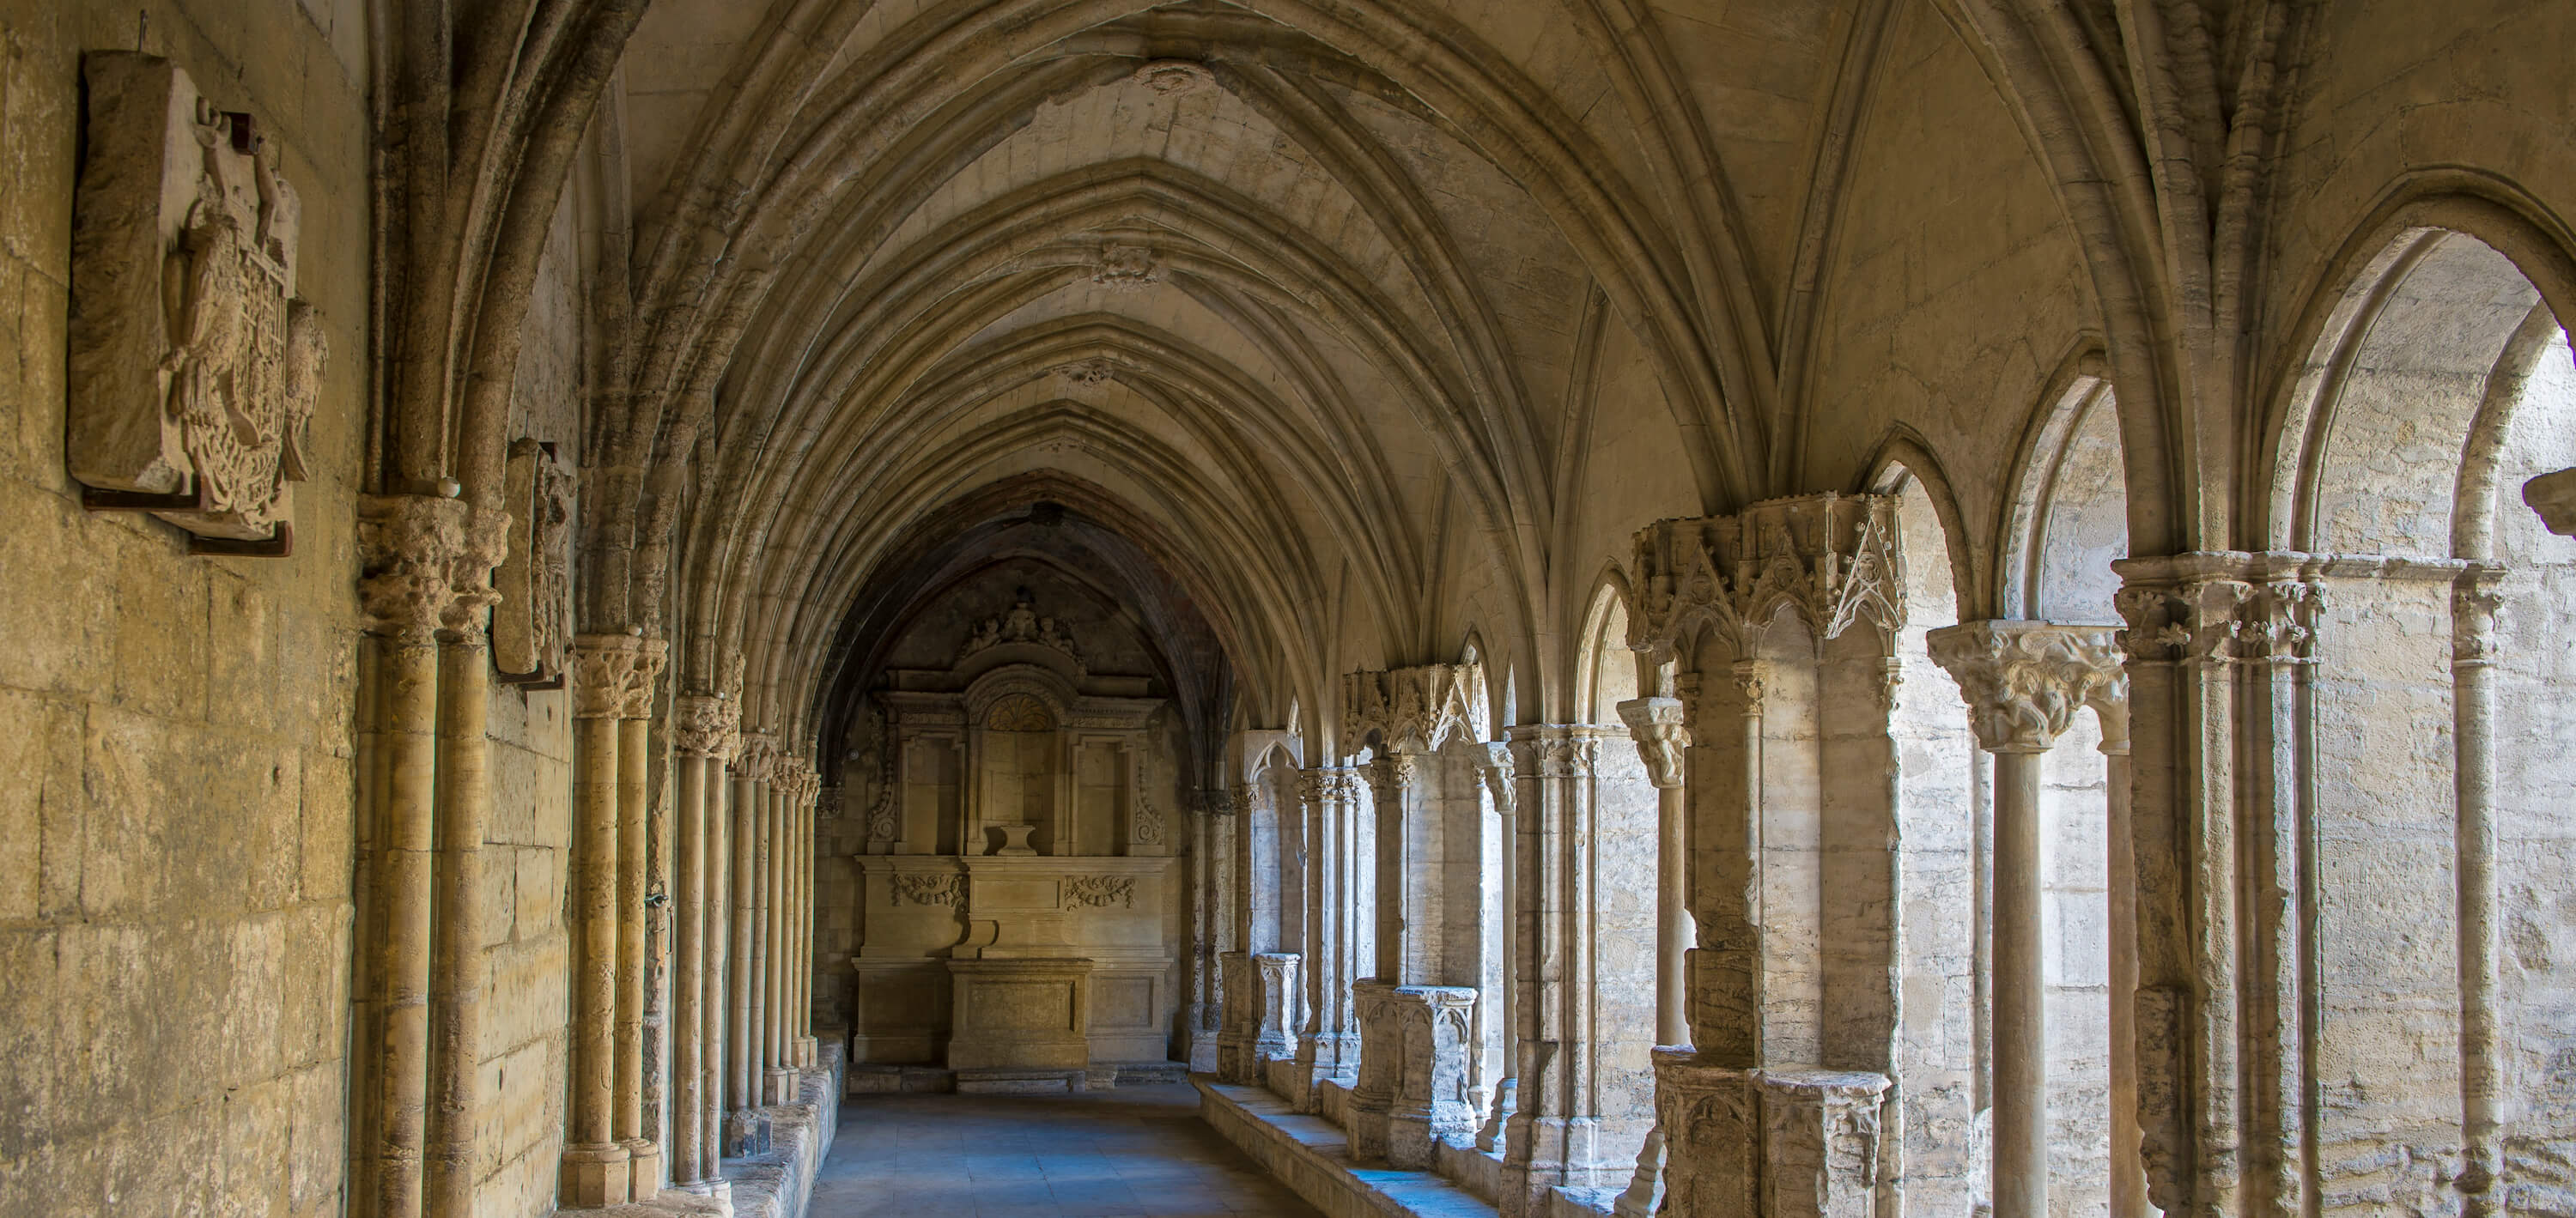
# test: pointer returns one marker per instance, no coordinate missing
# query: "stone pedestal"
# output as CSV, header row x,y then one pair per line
x,y
1432,1104
746,1133
1237,1020
1275,1008
1020,1013
1783,1141
1381,1070
1322,1057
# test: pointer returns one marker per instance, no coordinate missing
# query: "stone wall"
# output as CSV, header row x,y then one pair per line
x,y
176,832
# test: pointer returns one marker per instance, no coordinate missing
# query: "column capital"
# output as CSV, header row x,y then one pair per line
x,y
1327,783
2024,680
2219,605
1661,731
757,761
1498,770
1555,750
706,725
410,549
603,674
2476,596
642,680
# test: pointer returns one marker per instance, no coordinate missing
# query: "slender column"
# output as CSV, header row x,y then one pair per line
x,y
1656,725
2128,1170
777,1082
1499,772
1554,1136
411,544
465,804
716,1004
2023,682
597,1168
1235,1060
703,726
745,1128
1328,1046
1393,780
2475,597
634,881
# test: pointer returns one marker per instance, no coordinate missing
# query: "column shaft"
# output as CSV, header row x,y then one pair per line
x,y
464,809
2021,1029
773,1005
716,1001
596,1171
688,962
633,864
409,676
743,844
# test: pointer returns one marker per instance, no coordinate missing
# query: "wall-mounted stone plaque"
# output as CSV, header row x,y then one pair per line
x,y
194,368
532,624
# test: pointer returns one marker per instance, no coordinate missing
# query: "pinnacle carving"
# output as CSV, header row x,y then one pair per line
x,y
1410,710
1831,559
2024,681
1662,737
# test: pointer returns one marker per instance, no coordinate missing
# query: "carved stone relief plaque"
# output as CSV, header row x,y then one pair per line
x,y
194,367
532,624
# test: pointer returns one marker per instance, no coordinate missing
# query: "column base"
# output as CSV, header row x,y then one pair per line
x,y
778,1086
644,1161
593,1177
746,1133
1644,1196
718,1188
809,1052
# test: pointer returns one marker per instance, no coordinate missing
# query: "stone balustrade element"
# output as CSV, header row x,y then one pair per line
x,y
1431,1105
1781,1141
1381,1072
1237,1019
1276,1009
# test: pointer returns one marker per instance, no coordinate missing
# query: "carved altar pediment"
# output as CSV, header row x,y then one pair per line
x,y
194,368
1022,627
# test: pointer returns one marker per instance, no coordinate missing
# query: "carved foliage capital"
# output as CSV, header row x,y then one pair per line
x,y
1327,784
758,758
409,548
2217,607
1662,736
706,725
2025,680
603,674
2476,597
1555,750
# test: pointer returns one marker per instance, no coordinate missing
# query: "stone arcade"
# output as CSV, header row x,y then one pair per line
x,y
1547,608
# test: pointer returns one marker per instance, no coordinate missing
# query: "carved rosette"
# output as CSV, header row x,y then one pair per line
x,y
194,368
706,725
603,674
410,547
1831,559
1411,710
1663,739
2025,680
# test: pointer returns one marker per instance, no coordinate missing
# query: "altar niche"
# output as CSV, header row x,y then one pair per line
x,y
1014,911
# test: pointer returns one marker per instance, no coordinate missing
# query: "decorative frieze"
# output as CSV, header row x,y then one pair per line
x,y
926,888
2222,606
1411,710
194,368
1095,891
532,621
1831,559
2025,680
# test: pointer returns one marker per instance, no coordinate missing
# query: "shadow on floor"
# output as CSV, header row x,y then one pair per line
x,y
1103,1154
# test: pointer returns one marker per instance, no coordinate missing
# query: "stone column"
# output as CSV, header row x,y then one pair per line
x,y
1328,1044
1394,782
2023,682
777,1082
1554,1138
809,811
1657,726
1234,1062
410,545
703,726
716,1004
2475,597
634,882
597,1169
746,1128
2110,704
1501,783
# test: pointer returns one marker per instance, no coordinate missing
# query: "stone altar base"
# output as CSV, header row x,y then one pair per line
x,y
1431,1105
1024,1013
1785,1141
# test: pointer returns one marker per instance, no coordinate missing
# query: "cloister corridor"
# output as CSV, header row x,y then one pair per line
x,y
1135,1152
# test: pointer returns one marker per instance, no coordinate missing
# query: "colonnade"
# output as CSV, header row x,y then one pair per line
x,y
1775,978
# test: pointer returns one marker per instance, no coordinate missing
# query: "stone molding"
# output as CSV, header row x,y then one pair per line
x,y
1412,710
1660,729
2025,680
1829,558
706,725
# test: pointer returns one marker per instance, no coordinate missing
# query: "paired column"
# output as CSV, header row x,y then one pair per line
x,y
746,1128
1235,1062
1663,740
705,728
1554,1138
1328,1044
635,880
2024,681
1393,780
597,1168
